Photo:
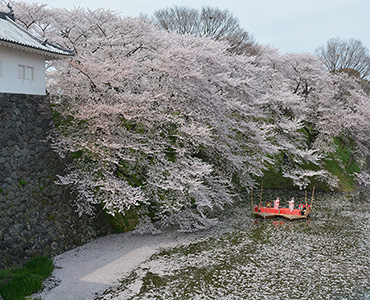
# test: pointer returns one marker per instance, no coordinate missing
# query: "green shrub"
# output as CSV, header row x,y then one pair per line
x,y
17,283
122,223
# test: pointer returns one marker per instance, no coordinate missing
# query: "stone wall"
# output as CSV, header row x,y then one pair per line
x,y
37,216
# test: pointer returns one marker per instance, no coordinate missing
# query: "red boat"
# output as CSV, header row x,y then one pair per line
x,y
269,212
287,213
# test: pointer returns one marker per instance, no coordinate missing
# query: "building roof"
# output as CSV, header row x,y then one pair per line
x,y
13,35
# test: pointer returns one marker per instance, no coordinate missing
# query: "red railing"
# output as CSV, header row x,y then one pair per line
x,y
283,210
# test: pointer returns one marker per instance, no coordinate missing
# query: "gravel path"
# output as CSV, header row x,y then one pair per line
x,y
83,272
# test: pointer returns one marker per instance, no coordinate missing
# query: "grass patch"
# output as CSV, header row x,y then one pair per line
x,y
343,167
17,283
275,180
338,163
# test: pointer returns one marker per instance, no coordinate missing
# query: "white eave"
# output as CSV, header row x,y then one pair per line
x,y
14,36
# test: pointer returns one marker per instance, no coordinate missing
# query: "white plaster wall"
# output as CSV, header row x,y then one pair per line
x,y
10,58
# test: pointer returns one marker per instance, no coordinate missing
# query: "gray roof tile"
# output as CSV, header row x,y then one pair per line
x,y
14,35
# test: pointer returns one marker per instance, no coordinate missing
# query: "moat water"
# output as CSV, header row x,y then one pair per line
x,y
324,257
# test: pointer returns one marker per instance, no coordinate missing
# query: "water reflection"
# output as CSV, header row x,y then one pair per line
x,y
324,257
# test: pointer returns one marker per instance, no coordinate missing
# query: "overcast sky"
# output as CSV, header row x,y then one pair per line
x,y
289,25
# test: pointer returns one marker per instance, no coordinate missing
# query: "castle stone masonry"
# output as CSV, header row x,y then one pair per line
x,y
37,217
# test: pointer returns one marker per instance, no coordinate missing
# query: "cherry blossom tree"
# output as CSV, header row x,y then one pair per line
x,y
162,122
292,80
332,106
176,113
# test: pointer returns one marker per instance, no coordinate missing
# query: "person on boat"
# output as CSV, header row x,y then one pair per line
x,y
291,204
268,204
304,208
276,203
300,207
